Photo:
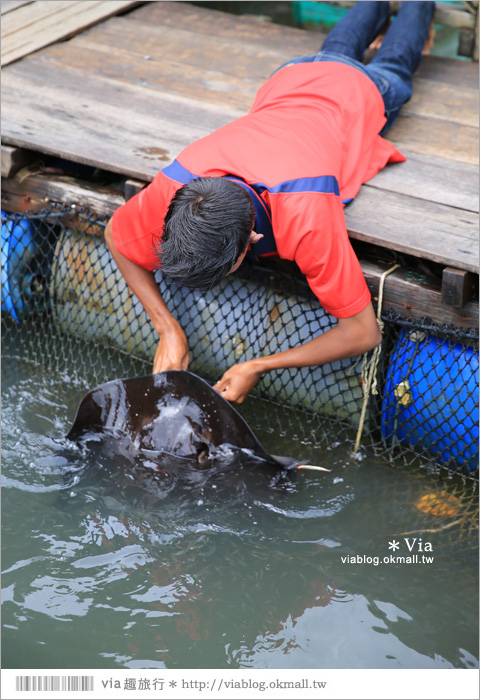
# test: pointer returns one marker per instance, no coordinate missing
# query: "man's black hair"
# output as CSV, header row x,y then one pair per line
x,y
207,227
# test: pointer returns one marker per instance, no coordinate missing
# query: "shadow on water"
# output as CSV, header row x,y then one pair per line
x,y
110,562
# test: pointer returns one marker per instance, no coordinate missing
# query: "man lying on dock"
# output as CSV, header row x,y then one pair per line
x,y
275,182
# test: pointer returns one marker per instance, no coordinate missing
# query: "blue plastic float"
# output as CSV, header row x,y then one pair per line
x,y
431,393
431,398
18,249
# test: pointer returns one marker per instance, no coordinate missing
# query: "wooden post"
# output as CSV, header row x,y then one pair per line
x,y
14,159
457,287
133,187
477,29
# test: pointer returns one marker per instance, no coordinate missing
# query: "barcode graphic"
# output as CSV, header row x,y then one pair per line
x,y
52,683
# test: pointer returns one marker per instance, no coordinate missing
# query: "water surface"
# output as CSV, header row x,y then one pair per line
x,y
106,566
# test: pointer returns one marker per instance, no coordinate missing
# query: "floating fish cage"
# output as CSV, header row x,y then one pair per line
x,y
60,283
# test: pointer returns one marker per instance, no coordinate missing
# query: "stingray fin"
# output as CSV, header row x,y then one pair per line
x,y
313,468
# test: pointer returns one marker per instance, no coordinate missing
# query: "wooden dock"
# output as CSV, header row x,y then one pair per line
x,y
127,94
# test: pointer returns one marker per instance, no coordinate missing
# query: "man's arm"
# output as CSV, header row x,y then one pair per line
x,y
172,351
350,337
310,229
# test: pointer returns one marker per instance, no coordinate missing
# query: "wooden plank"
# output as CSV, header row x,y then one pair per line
x,y
199,57
52,113
435,137
105,107
118,132
43,15
238,30
24,17
9,5
103,49
407,296
298,41
402,293
442,101
107,87
34,26
434,179
426,178
415,300
228,55
416,227
449,70
252,61
76,92
160,74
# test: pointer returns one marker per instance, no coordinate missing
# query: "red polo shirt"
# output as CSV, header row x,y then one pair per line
x,y
306,146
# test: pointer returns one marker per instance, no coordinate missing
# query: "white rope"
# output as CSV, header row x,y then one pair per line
x,y
369,368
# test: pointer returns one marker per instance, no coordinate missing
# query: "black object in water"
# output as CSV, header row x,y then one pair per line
x,y
175,416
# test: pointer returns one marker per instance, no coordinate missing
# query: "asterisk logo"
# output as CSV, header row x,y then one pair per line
x,y
394,545
173,684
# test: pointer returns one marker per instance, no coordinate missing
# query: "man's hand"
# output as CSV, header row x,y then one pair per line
x,y
238,381
350,337
172,350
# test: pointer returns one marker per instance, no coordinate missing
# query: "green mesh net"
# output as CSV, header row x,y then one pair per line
x,y
60,284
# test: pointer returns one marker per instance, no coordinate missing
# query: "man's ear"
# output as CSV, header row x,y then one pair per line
x,y
255,237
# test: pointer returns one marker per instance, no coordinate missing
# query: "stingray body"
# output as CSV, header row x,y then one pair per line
x,y
175,417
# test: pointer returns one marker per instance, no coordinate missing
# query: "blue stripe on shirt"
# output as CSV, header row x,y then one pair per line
x,y
325,184
177,172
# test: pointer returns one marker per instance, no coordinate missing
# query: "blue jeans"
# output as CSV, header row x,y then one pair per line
x,y
392,67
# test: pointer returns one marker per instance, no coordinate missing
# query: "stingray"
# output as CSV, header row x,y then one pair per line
x,y
175,417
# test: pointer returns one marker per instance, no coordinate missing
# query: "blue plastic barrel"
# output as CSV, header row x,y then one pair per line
x,y
431,398
18,249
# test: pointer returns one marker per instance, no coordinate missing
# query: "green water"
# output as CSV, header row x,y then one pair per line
x,y
103,568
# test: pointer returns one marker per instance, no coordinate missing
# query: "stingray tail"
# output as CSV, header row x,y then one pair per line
x,y
313,468
290,463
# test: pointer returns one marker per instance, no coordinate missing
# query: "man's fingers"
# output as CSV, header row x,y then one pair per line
x,y
220,386
228,392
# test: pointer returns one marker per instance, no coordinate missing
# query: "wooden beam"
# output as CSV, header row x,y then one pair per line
x,y
415,300
457,287
402,293
36,191
14,159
